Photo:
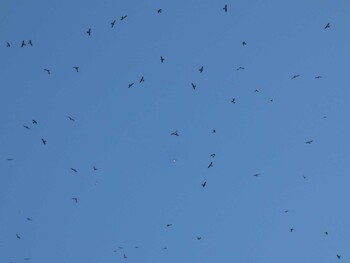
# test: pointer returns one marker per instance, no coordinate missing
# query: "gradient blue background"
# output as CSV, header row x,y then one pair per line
x,y
125,133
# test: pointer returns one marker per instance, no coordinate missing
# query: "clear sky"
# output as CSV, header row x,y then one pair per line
x,y
147,178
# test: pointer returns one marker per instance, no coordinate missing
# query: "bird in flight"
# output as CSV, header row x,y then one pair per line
x,y
165,248
169,225
113,23
210,165
34,122
327,26
233,100
239,68
25,126
295,76
292,229
201,69
29,219
8,44
70,118
130,85
199,238
74,170
286,211
18,236
256,90
304,176
23,43
318,77
123,17
89,32
326,233
159,11
162,59
76,68
193,86
43,141
94,167
244,43
338,256
175,133
10,159
125,256
30,42
48,71
214,131
212,155
75,199
225,8
204,184
142,79
256,175
309,142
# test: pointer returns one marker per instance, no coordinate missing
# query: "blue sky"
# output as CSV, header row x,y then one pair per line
x,y
125,132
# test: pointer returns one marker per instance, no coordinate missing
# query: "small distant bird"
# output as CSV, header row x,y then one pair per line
x,y
30,42
325,117
286,211
159,11
212,155
34,122
295,76
175,133
256,90
18,236
233,100
162,59
304,176
214,131
271,100
130,85
29,219
193,86
199,238
136,247
48,71
23,43
43,141
10,159
256,175
244,43
70,118
76,68
113,23
292,229
210,165
142,79
309,142
318,77
27,258
8,44
123,17
94,167
125,256
201,69
338,256
89,32
326,233
75,199
327,26
74,170
169,225
204,184
239,68
165,248
25,126
225,8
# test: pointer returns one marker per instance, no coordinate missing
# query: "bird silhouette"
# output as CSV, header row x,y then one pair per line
x,y
113,23
309,142
94,167
193,86
168,225
25,126
304,176
10,159
34,122
162,59
225,8
74,170
159,11
142,79
204,184
123,17
29,219
199,238
210,165
240,68
233,100
43,141
295,76
30,42
76,69
201,69
70,118
165,248
130,85
286,211
326,233
8,44
338,256
327,26
125,256
23,43
89,32
75,199
292,229
318,77
256,90
175,133
244,43
48,71
256,175
212,155
18,236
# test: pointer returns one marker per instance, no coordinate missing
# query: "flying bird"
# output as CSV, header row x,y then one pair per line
x,y
204,184
75,199
338,256
295,76
318,77
327,26
142,79
212,155
74,170
244,43
76,68
286,211
23,43
48,71
326,233
123,17
199,238
94,167
225,8
162,59
201,69
30,42
159,11
304,176
125,256
292,229
29,219
70,118
18,236
210,165
256,175
193,86
309,142
256,90
130,85
214,131
25,126
8,44
239,68
175,133
113,23
34,122
43,141
169,225
233,100
10,159
89,32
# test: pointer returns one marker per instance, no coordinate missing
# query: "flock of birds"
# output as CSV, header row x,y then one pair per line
x,y
175,133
